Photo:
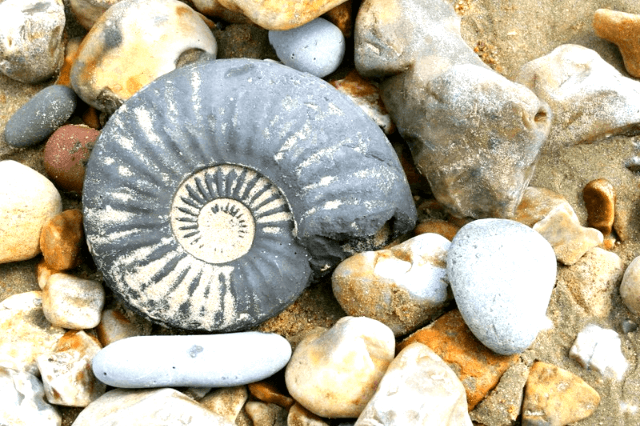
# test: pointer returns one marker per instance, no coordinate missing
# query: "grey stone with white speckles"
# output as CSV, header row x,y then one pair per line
x,y
202,361
502,273
40,116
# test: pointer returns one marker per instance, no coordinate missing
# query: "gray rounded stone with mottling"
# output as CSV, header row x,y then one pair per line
x,y
214,194
36,120
502,273
200,361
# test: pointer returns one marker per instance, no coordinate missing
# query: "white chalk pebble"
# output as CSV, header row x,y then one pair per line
x,y
630,287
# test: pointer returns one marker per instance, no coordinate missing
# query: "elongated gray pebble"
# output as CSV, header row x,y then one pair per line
x,y
201,361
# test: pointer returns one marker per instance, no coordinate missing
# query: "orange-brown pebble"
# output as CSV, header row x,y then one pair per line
x,y
300,416
436,226
609,243
478,368
76,340
43,272
342,17
267,392
62,240
91,117
600,198
623,29
70,55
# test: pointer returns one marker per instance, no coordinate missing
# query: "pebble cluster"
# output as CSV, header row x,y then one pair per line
x,y
216,190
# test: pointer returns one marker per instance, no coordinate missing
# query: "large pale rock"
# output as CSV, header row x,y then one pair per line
x,y
27,201
72,302
474,134
31,47
623,29
22,401
417,389
403,287
600,349
147,408
630,287
103,74
334,373
25,333
589,98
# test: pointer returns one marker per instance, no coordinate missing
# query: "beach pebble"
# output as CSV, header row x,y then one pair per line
x,y
334,373
600,349
104,77
403,287
87,12
147,408
269,393
71,302
70,55
62,240
226,402
192,360
43,273
66,154
537,203
300,416
343,17
266,414
31,39
599,198
116,325
22,401
589,98
554,396
623,29
214,9
502,274
36,120
419,388
316,47
66,372
630,287
25,333
593,280
437,226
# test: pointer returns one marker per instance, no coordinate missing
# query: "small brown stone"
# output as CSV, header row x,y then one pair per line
x,y
115,325
300,416
556,397
600,199
70,55
62,240
536,204
478,368
269,393
342,17
435,226
91,117
623,29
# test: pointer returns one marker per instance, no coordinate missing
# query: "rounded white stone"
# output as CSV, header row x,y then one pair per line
x,y
630,287
22,400
72,302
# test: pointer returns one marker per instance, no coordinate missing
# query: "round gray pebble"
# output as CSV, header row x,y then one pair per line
x,y
502,274
316,47
36,120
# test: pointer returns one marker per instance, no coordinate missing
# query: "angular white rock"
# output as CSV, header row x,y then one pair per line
x,y
419,388
201,360
630,287
25,333
72,302
600,349
502,274
22,401
27,201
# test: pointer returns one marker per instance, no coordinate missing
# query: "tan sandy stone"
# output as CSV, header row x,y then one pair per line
x,y
630,287
43,272
266,414
269,393
436,226
342,16
536,204
70,55
116,325
600,198
73,303
62,240
623,29
226,402
87,12
300,416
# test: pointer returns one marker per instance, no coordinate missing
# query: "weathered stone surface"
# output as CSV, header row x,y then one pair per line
x,y
403,287
147,408
266,414
600,201
593,280
269,393
62,240
43,272
536,205
477,367
589,98
22,401
417,389
72,302
31,39
87,12
334,373
502,273
630,287
199,360
66,372
622,29
435,226
300,416
556,397
70,54
343,17
117,325
474,134
226,402
243,41
599,348
24,332
252,245
104,77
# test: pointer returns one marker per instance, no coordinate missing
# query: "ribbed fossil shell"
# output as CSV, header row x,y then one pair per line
x,y
215,193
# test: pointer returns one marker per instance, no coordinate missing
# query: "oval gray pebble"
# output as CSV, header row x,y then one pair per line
x,y
36,120
201,361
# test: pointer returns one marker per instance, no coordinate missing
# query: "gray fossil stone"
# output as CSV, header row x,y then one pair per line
x,y
214,195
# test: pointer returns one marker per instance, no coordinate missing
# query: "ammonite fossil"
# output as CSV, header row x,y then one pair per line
x,y
217,192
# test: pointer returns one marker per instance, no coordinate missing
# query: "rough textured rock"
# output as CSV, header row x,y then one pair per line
x,y
334,373
630,287
435,226
343,17
502,273
589,98
226,402
284,214
599,349
117,324
474,134
22,400
300,416
622,29
266,414
417,389
269,393
403,287
27,54
72,302
536,205
70,55
28,200
62,240
214,9
556,397
600,201
87,12
103,76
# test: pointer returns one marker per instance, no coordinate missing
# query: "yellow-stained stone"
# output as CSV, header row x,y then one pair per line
x,y
62,240
600,198
623,29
